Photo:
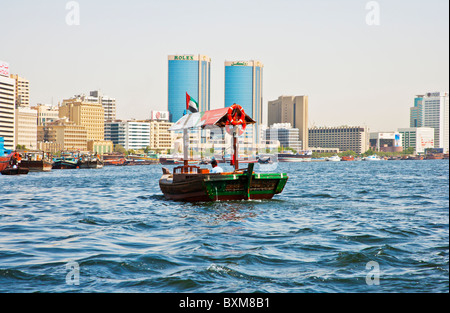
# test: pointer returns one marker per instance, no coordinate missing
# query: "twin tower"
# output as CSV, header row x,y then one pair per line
x,y
192,74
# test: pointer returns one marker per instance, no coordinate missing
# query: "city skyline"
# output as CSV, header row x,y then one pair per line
x,y
353,73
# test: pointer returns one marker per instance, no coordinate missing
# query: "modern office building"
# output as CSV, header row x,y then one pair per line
x,y
90,115
432,110
7,106
243,86
419,138
188,74
292,110
285,134
26,127
22,91
386,141
132,134
344,138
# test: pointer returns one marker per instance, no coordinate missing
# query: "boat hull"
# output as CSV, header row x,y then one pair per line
x,y
222,187
15,171
37,166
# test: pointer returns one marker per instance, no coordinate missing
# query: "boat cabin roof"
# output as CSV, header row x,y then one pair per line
x,y
206,119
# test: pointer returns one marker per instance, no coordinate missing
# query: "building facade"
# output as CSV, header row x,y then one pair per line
x,y
7,107
90,115
243,86
188,74
133,135
292,110
344,138
108,103
26,127
62,135
22,91
46,114
386,141
285,134
419,138
432,110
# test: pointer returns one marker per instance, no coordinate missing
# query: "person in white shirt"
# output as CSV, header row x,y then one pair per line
x,y
215,169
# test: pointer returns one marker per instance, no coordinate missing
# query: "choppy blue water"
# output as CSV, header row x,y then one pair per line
x,y
319,235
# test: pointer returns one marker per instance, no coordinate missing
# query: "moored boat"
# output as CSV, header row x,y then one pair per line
x,y
372,157
15,171
4,161
334,158
37,161
348,158
192,183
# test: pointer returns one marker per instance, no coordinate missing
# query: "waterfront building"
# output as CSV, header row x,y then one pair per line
x,y
46,114
386,141
22,90
26,127
419,138
293,110
285,134
344,138
131,134
188,74
432,110
7,106
160,136
100,146
243,86
85,113
61,135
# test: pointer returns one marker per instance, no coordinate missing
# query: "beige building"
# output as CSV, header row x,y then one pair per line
x,y
344,138
26,127
46,114
7,106
22,90
100,146
160,136
63,135
293,110
90,115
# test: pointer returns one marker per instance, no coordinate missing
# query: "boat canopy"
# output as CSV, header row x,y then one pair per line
x,y
207,119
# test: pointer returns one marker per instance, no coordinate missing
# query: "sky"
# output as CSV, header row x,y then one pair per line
x,y
360,62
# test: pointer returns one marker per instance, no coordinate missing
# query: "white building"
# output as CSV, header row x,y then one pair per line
x,y
7,106
386,141
129,134
285,134
419,138
432,110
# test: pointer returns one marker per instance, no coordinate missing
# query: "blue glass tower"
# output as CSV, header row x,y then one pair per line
x,y
191,74
243,86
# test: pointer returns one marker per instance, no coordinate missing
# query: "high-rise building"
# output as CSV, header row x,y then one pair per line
x,y
292,110
87,114
7,106
243,86
344,138
188,74
419,138
22,91
432,110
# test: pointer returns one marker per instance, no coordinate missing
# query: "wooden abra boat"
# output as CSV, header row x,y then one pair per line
x,y
37,162
192,183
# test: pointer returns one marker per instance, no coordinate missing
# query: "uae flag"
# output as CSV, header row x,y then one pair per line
x,y
191,104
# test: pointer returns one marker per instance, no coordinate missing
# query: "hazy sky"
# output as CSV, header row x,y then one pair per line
x,y
353,73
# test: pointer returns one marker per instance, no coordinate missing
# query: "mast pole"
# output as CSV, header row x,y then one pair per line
x,y
235,147
185,147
